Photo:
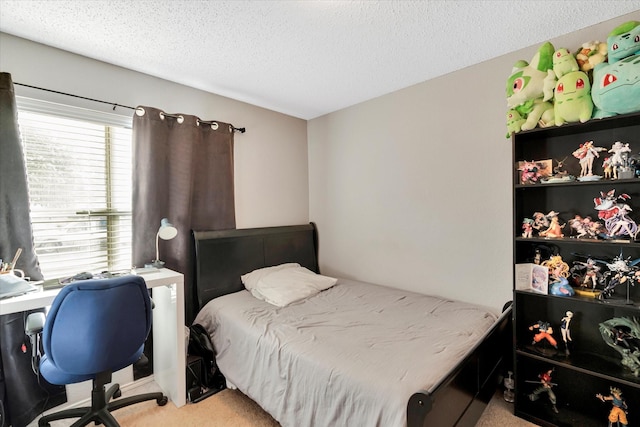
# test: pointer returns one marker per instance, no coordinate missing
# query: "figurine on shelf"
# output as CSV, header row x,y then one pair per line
x,y
554,229
615,214
558,274
566,331
545,386
586,227
634,163
509,385
621,271
530,172
619,410
586,153
540,221
607,165
620,161
559,174
527,228
586,273
544,332
622,334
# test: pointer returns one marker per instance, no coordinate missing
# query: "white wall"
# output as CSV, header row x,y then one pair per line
x,y
271,175
413,188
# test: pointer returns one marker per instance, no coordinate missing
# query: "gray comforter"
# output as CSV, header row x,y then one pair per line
x,y
350,356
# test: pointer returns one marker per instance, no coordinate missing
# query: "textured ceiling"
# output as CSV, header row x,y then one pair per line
x,y
302,58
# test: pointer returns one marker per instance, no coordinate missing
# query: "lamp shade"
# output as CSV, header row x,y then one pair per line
x,y
167,231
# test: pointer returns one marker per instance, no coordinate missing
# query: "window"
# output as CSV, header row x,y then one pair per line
x,y
79,173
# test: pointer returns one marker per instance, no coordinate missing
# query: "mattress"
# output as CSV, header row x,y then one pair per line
x,y
350,355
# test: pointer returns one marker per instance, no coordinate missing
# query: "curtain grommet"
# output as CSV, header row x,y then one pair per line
x,y
140,111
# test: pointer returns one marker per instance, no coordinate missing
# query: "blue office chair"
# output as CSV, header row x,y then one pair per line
x,y
96,327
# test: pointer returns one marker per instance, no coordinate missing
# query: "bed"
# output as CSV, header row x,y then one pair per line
x,y
352,354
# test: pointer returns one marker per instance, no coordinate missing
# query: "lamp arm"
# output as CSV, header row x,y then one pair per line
x,y
157,248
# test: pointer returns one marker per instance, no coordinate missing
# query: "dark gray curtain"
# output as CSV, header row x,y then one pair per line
x,y
183,171
22,394
15,223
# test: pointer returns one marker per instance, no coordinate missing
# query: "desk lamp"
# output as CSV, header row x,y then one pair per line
x,y
166,232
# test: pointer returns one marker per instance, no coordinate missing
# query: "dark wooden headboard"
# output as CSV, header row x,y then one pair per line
x,y
223,256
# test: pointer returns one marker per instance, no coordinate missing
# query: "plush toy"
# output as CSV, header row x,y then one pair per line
x,y
564,62
530,88
591,54
514,122
573,98
624,41
616,84
572,95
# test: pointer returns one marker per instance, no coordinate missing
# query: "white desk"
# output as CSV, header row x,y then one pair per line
x,y
169,350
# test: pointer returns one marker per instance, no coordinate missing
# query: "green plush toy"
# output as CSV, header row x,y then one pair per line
x,y
573,98
514,122
564,62
616,84
572,94
530,88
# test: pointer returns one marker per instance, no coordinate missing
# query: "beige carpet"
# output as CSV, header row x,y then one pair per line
x,y
230,408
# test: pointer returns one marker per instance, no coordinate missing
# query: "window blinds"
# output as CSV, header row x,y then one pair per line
x,y
79,174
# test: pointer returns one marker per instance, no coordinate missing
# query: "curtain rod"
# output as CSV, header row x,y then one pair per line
x,y
235,129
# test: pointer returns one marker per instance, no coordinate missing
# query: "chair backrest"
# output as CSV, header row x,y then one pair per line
x,y
98,325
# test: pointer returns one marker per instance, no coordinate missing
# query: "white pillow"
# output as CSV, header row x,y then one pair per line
x,y
250,280
284,286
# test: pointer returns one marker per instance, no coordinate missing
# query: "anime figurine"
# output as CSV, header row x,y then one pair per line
x,y
634,163
509,385
586,273
559,174
566,331
557,267
586,153
621,271
619,409
615,214
585,227
558,273
544,332
622,334
554,229
619,161
530,172
527,227
607,165
540,221
545,386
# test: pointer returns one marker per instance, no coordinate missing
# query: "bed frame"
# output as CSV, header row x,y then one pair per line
x,y
460,398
